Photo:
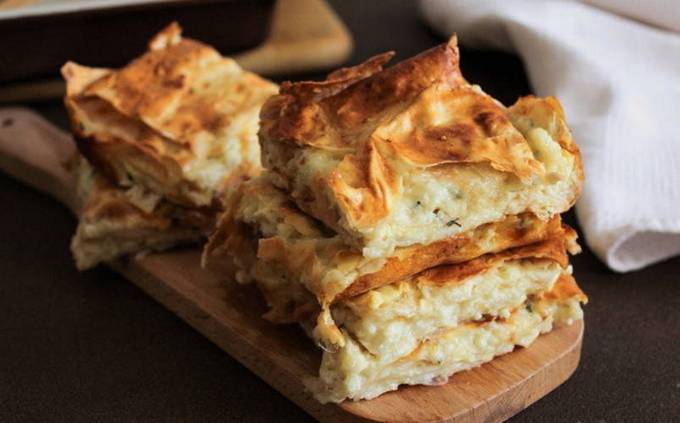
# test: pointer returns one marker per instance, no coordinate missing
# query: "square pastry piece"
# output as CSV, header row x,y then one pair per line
x,y
180,121
407,221
162,137
414,154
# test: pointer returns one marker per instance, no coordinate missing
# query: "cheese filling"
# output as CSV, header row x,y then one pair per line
x,y
392,320
354,373
438,203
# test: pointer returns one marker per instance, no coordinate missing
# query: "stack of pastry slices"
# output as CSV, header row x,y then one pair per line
x,y
159,140
408,221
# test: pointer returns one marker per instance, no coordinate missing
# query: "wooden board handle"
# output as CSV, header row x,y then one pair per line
x,y
39,154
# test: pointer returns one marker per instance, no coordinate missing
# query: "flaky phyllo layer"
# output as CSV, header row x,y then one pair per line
x,y
180,121
115,222
413,154
301,265
303,269
442,297
164,136
355,372
408,221
390,321
455,310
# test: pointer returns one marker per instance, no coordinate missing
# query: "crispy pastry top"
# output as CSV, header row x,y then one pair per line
x,y
170,114
417,114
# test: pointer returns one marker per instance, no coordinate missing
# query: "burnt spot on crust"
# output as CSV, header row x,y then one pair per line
x,y
451,143
489,122
176,83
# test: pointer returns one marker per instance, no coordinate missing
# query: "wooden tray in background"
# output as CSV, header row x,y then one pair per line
x,y
302,35
39,36
32,150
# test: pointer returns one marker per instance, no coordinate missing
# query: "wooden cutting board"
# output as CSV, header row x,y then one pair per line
x,y
32,150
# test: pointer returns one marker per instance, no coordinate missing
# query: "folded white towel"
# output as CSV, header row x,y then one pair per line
x,y
615,66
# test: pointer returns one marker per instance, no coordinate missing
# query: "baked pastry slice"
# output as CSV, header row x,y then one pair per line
x,y
115,222
446,319
180,121
413,154
364,368
419,329
301,265
164,135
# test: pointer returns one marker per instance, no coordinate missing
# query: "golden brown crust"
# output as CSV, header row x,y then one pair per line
x,y
139,151
554,249
376,125
548,112
168,116
565,288
337,113
353,100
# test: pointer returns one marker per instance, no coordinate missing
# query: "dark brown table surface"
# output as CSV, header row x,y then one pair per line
x,y
92,347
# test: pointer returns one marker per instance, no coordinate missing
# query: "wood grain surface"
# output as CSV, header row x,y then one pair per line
x,y
229,315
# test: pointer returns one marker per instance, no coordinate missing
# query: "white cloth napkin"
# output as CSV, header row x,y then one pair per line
x,y
615,66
